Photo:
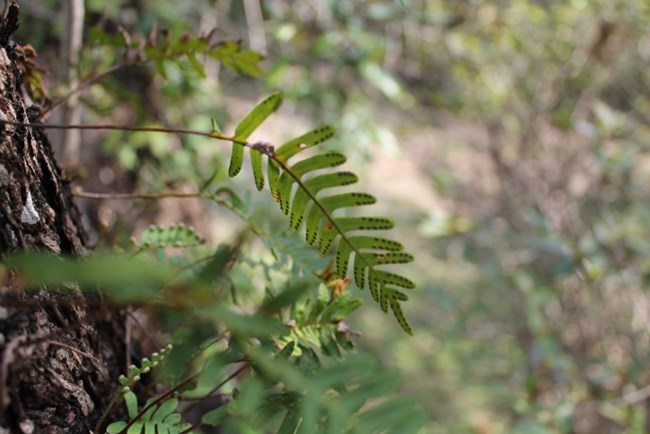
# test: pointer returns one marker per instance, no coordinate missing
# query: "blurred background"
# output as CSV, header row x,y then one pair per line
x,y
509,140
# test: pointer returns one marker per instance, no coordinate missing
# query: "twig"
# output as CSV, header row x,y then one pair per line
x,y
131,128
75,350
70,52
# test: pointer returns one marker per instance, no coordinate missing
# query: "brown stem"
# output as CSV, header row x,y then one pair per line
x,y
212,134
132,196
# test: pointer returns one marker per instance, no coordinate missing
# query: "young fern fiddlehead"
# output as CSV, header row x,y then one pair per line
x,y
295,192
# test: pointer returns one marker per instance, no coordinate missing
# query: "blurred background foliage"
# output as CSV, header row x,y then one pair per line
x,y
508,138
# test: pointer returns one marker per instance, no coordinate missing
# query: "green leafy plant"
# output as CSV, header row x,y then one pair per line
x,y
161,419
320,223
164,420
295,389
160,47
370,251
177,235
283,362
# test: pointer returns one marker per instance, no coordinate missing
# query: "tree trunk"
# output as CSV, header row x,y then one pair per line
x,y
60,352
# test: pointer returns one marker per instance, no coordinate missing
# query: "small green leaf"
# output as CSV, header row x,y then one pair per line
x,y
236,159
368,242
131,402
273,171
258,174
388,278
343,259
249,124
401,318
115,427
308,140
290,422
340,308
360,276
137,428
286,351
331,204
258,115
321,161
165,409
315,185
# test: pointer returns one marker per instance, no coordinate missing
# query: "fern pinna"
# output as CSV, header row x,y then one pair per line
x,y
321,225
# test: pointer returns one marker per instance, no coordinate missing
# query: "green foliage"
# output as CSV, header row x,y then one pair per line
x,y
266,331
126,279
174,236
320,223
300,373
163,47
161,419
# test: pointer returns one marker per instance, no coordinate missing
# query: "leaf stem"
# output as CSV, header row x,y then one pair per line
x,y
132,196
132,128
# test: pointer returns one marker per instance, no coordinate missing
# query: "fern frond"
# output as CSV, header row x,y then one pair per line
x,y
162,418
297,187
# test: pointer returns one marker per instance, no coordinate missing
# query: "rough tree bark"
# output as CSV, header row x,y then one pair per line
x,y
60,353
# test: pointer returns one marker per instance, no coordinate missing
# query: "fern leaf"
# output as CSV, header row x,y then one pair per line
x,y
273,171
332,203
256,163
158,419
388,278
177,235
312,138
287,179
246,127
316,184
394,297
297,190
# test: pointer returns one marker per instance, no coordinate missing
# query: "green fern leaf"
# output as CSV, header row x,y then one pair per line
x,y
297,189
256,163
362,242
298,170
159,419
312,138
332,203
177,235
273,171
246,127
315,185
290,422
